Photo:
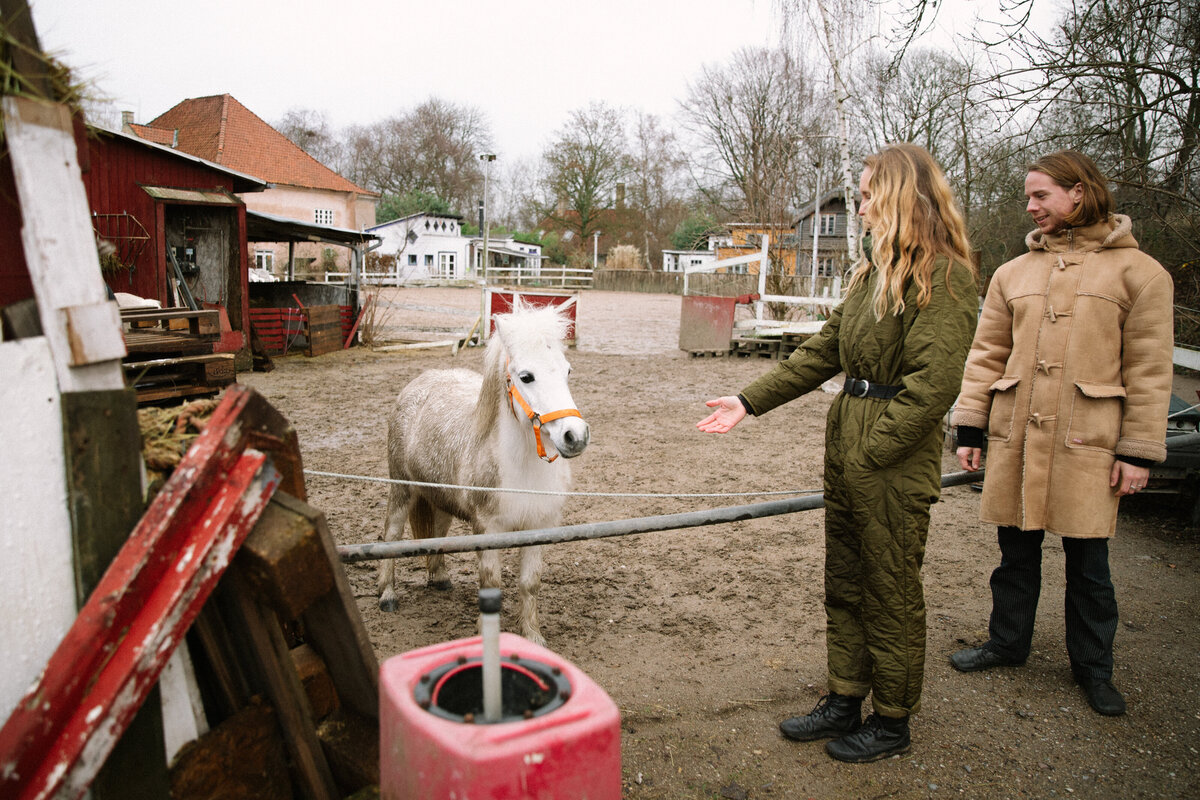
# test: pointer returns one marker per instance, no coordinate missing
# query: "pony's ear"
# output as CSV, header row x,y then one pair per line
x,y
502,324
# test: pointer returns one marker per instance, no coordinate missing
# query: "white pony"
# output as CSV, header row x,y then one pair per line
x,y
506,428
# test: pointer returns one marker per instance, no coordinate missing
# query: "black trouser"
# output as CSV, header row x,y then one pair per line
x,y
1091,604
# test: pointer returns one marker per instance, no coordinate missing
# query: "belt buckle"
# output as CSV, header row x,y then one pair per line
x,y
866,387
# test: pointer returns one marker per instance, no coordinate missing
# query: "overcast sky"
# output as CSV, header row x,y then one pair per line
x,y
525,63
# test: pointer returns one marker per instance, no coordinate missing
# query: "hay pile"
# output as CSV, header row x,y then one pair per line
x,y
167,433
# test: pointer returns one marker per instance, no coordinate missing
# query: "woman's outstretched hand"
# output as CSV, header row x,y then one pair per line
x,y
729,412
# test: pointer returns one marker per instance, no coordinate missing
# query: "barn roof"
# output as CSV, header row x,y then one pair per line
x,y
241,181
222,130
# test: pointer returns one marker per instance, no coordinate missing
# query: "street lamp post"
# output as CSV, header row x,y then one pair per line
x,y
487,159
595,250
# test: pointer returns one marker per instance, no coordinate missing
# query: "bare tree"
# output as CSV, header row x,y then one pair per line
x,y
311,131
583,165
655,181
1120,79
432,149
754,125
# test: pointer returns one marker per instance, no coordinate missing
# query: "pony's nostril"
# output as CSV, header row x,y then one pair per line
x,y
570,437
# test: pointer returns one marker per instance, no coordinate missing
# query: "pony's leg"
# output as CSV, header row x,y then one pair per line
x,y
529,584
489,563
397,512
425,522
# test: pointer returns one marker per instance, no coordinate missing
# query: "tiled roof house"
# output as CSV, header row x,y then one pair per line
x,y
222,130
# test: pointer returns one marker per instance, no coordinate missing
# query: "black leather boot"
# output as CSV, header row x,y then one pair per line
x,y
834,715
879,737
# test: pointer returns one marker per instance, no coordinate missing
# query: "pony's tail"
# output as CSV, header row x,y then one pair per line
x,y
420,518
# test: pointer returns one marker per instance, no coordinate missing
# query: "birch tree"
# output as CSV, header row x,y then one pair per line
x,y
839,28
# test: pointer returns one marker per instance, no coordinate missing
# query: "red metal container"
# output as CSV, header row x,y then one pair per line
x,y
559,737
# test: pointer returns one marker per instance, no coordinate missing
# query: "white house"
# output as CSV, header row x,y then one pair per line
x,y
426,246
431,246
677,260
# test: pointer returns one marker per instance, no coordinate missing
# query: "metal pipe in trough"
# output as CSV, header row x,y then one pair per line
x,y
599,530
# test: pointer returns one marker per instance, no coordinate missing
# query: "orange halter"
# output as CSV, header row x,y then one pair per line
x,y
537,419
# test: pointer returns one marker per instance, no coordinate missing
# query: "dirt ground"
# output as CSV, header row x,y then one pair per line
x,y
706,638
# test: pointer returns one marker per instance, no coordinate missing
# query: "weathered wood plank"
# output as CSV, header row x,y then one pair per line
x,y
57,231
253,626
335,628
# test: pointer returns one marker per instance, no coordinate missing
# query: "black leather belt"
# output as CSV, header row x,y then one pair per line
x,y
857,387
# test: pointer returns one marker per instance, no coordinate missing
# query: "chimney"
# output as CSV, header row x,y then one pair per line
x,y
126,121
620,196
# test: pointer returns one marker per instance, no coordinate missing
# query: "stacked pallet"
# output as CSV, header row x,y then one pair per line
x,y
288,669
171,354
315,330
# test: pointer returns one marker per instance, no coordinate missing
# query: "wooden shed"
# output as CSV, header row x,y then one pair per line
x,y
154,204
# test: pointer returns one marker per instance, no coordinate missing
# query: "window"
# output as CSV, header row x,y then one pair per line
x,y
324,216
828,224
264,259
429,259
825,268
754,239
412,259
446,265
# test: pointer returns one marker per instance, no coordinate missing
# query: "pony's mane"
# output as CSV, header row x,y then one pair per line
x,y
526,327
530,325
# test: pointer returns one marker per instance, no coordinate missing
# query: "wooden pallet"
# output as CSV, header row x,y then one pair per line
x,y
197,323
161,379
283,635
322,329
763,348
314,329
710,353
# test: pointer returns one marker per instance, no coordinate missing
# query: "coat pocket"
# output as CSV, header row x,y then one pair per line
x,y
1095,422
1004,406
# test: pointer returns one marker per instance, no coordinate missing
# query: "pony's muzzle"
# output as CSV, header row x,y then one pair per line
x,y
573,439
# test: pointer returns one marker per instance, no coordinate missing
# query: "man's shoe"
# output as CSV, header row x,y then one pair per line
x,y
1102,696
834,715
973,659
879,737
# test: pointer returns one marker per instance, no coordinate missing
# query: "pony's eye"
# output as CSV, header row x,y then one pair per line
x,y
526,377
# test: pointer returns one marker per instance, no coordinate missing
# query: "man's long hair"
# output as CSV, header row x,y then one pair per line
x,y
913,218
1069,167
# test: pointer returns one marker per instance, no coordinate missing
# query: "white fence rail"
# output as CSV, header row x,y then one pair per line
x,y
544,276
831,296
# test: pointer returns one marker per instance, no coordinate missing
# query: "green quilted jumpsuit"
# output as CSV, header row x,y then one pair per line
x,y
882,473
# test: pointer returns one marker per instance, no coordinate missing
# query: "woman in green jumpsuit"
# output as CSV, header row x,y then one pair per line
x,y
901,336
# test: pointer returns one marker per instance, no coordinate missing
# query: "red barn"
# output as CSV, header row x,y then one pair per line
x,y
150,203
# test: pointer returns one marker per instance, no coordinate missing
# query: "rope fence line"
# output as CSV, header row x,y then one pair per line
x,y
370,479
598,530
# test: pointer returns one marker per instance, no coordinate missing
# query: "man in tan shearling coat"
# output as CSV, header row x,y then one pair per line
x,y
1070,377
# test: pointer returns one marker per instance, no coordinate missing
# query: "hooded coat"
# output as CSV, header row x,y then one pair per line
x,y
882,473
1071,366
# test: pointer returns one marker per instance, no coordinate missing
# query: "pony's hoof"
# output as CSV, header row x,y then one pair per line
x,y
388,604
441,585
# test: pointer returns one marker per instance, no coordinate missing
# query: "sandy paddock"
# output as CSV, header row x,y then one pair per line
x,y
706,638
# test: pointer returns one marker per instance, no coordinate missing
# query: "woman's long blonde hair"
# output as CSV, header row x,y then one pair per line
x,y
913,219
